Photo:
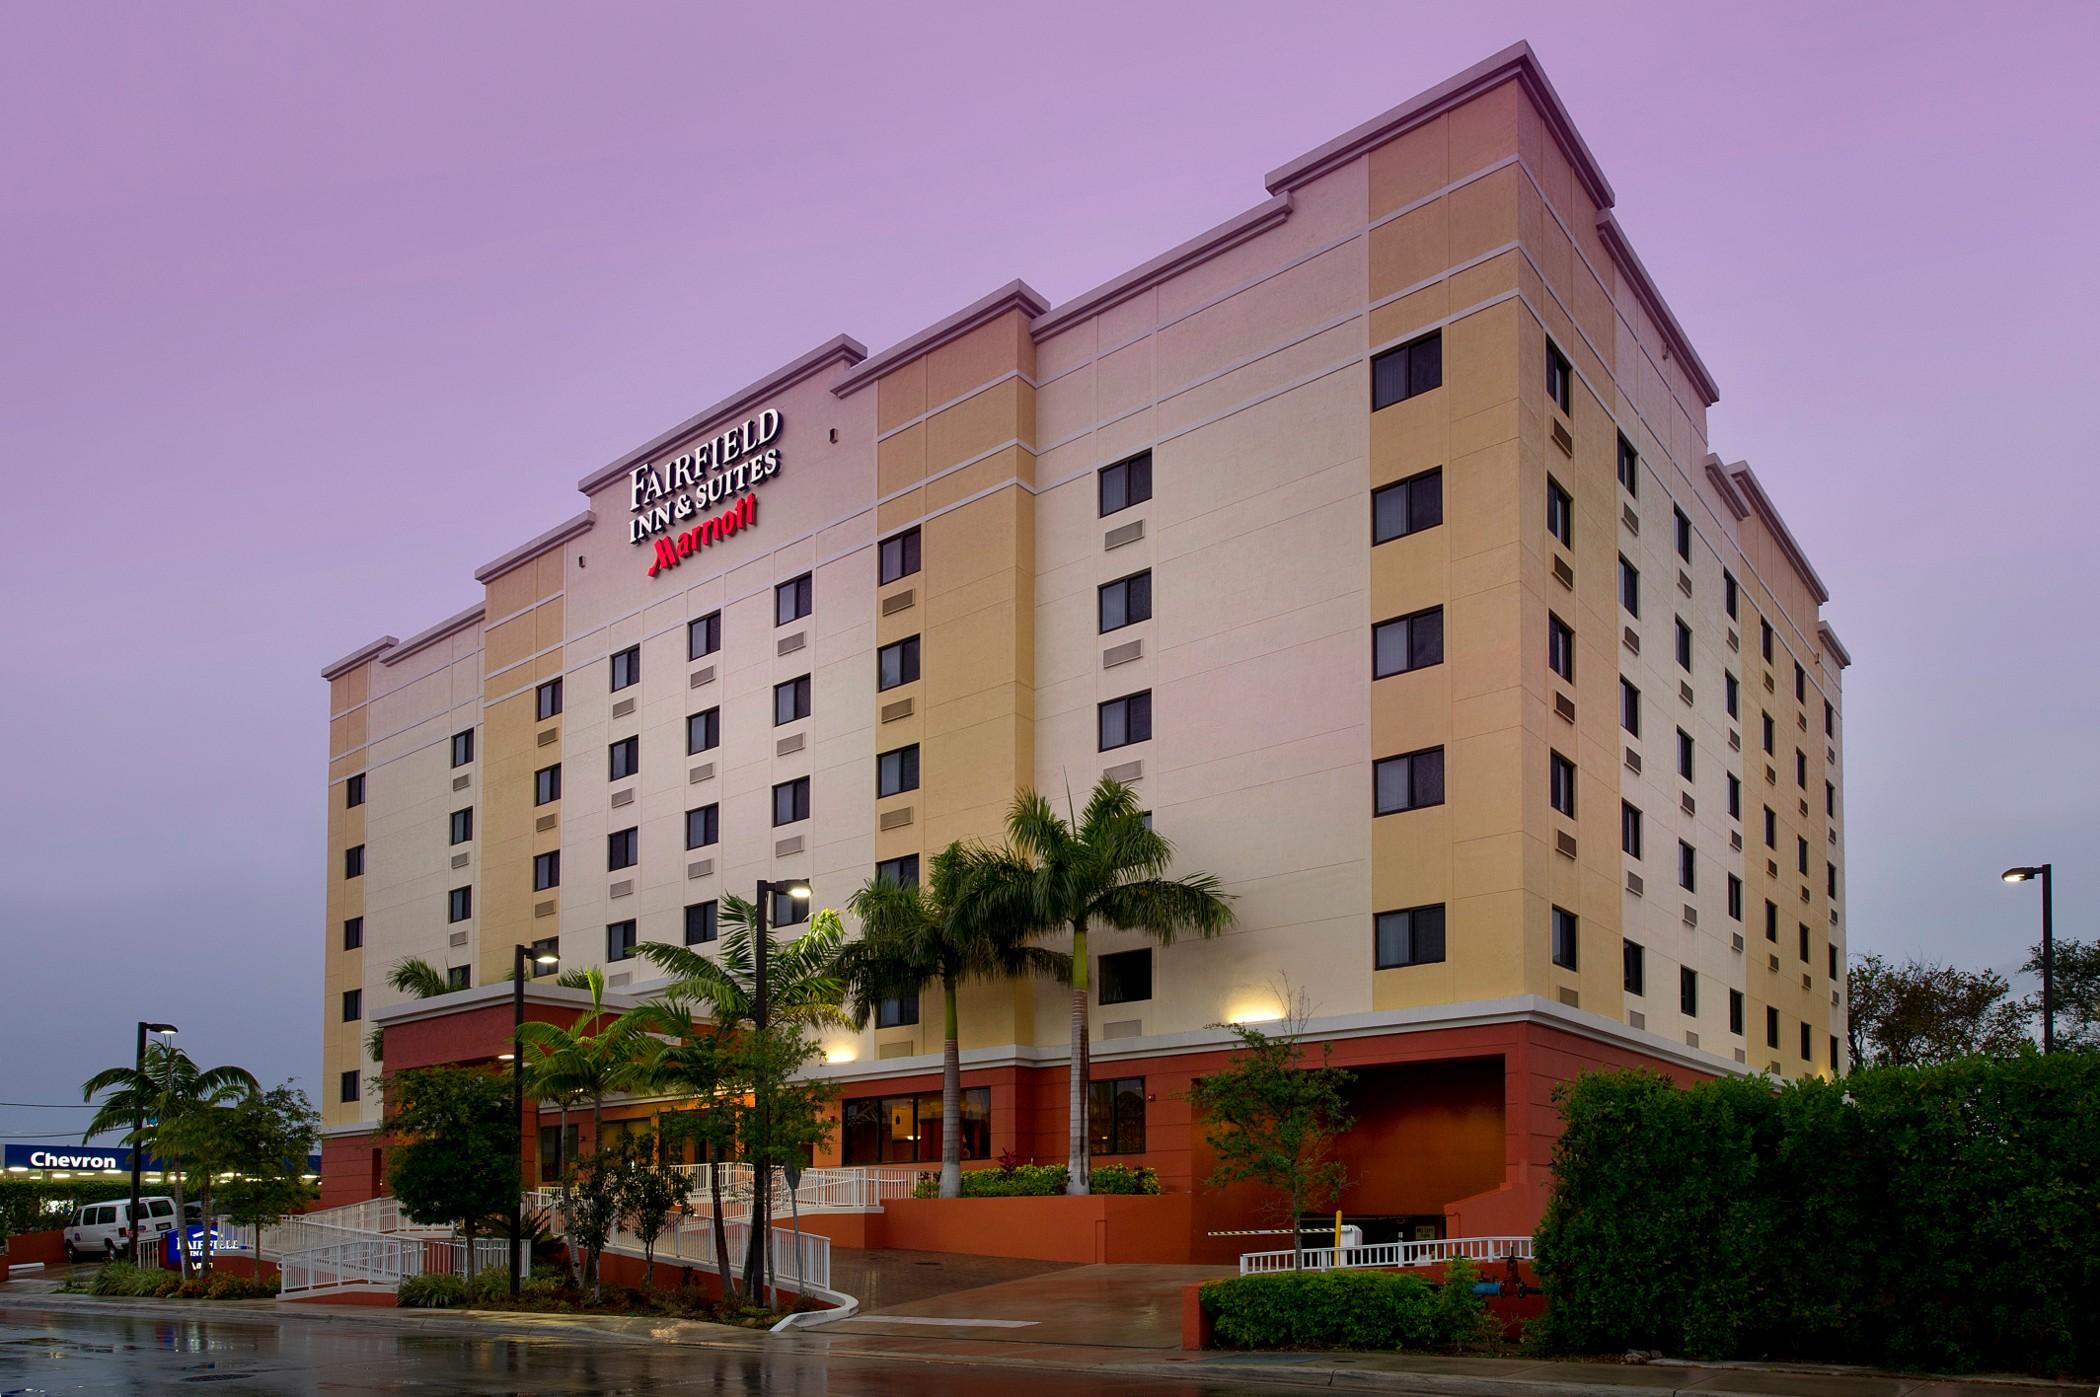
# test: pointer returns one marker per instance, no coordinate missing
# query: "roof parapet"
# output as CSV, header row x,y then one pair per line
x,y
1015,295
1675,341
1745,481
525,552
1831,643
1201,248
422,640
358,656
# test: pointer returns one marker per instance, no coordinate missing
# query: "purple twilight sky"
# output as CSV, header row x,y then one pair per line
x,y
307,311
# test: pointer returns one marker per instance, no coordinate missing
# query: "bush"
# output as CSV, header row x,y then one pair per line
x,y
1040,1181
1123,1179
440,1292
1346,1309
121,1278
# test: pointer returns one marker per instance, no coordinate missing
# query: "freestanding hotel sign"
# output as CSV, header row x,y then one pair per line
x,y
718,478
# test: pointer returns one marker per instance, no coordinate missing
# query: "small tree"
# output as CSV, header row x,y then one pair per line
x,y
691,1057
1919,1014
1272,1120
2076,973
271,1134
591,1205
652,1187
795,1117
455,1148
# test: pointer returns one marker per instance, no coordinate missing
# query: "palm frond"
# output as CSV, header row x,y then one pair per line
x,y
412,975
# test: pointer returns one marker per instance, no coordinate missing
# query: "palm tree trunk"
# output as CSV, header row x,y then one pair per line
x,y
182,1225
794,1210
561,1155
1076,1165
714,1193
951,1095
597,1139
204,1267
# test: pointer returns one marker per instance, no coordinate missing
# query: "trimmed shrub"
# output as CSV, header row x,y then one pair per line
x,y
1123,1179
1040,1181
1346,1309
431,1293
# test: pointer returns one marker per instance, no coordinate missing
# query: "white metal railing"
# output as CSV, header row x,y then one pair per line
x,y
381,1214
385,1260
851,1190
1386,1255
689,1240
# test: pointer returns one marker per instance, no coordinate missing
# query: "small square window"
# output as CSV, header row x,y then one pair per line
x,y
459,904
546,870
347,1088
702,922
791,701
353,933
1412,781
1126,720
354,791
1126,977
897,663
462,747
619,941
459,977
897,771
624,758
1125,602
622,849
1560,647
903,870
1560,513
354,861
1407,642
1566,938
1561,784
626,668
1629,467
703,635
897,1011
1559,378
793,599
546,701
703,731
898,557
1410,936
546,785
791,802
703,826
1126,483
1407,506
462,825
353,1005
1402,372
1633,974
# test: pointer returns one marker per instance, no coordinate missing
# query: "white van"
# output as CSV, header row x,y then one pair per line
x,y
103,1229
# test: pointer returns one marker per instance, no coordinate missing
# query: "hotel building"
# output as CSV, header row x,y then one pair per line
x,y
1373,535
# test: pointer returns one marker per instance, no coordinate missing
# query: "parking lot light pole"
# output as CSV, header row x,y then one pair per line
x,y
521,956
2021,875
138,1130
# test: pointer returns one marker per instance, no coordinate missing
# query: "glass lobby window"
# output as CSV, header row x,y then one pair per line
x,y
1407,642
1126,976
907,1129
1126,483
1412,781
1407,506
703,635
793,599
1409,936
1126,601
1400,373
898,557
897,663
1126,720
626,668
1116,1116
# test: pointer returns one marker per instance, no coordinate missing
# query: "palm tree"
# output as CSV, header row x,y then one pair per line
x,y
801,988
1106,867
417,978
164,1092
945,933
683,1055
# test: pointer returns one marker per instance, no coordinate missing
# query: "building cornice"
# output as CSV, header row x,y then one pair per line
x,y
1015,295
525,552
1830,641
358,656
1201,248
1746,481
497,995
422,640
1675,341
1717,476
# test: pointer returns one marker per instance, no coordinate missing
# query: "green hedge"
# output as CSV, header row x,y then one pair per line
x,y
1348,1309
1944,1217
121,1278
1041,1181
24,1202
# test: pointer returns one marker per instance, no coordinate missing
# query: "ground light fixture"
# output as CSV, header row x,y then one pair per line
x,y
762,1175
2022,875
138,1130
520,957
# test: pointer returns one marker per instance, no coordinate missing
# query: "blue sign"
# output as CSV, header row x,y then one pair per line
x,y
93,1159
220,1244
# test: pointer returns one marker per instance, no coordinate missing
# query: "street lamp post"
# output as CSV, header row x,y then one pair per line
x,y
762,1173
138,1130
521,956
2021,875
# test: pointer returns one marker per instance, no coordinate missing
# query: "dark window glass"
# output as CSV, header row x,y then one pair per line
x,y
546,870
1684,534
627,668
1560,513
462,825
353,933
703,635
1126,976
1801,768
1764,639
1685,749
1730,593
897,771
903,870
1735,897
908,1129
703,826
1735,1012
897,663
897,1011
1769,732
793,599
1807,1039
1407,506
1830,879
1735,796
1830,798
459,977
1629,467
701,922
619,941
1126,483
347,1089
354,861
1400,373
1410,936
1805,957
1688,991
791,802
1560,774
1629,587
1566,938
1687,867
1734,695
1116,1116
354,791
1830,719
622,849
552,1154
1560,647
703,731
1630,828
1407,642
1684,644
787,910
1409,782
353,1005
1801,855
546,700
1126,720
1832,951
1126,601
898,557
791,701
1629,707
1800,683
625,758
546,785
459,904
1771,921
1559,377
1771,1028
463,747
1634,969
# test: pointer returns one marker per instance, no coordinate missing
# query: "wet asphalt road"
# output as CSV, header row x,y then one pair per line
x,y
58,1353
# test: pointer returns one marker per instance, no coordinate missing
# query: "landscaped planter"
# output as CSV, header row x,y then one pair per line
x,y
1084,1229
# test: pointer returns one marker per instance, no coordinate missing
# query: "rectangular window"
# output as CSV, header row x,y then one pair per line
x,y
793,599
703,826
1116,1116
1566,938
1125,720
1805,956
791,701
553,1157
546,870
703,635
353,1005
462,747
1688,991
1735,796
897,556
1684,534
1629,707
1687,867
624,758
1409,782
1729,593
1800,683
897,771
1807,1041
626,668
1735,897
1771,921
1560,513
619,941
1801,855
1830,798
622,849
462,825
1409,936
1830,880
1400,373
1764,638
1407,506
353,933
1126,976
1685,752
459,977
354,791
546,785
1560,647
549,946
1629,467
1735,1012
1633,968
1801,768
1735,695
1832,955
908,1129
1559,377
1125,602
1771,1028
354,861
1629,587
1407,642
903,870
347,1088
1630,828
897,663
788,910
703,731
1684,645
791,802
702,922
1560,780
1126,483
1771,828
546,701
1830,719
459,904
897,1010
1769,733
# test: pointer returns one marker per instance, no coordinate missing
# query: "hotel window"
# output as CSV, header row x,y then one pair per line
x,y
1560,513
1800,683
907,1129
1771,1028
1771,829
1807,1042
549,946
1400,373
702,922
1125,483
459,977
1735,1012
1407,642
1560,647
788,910
703,826
793,599
546,785
624,758
552,1154
1801,854
791,802
546,870
353,933
619,941
1684,645
1771,921
1684,534
1684,754
1687,867
703,731
1735,898
1805,957
897,1010
1410,936
898,556
1830,880
1629,587
462,825
354,791
1728,593
1630,828
1830,719
897,771
1413,781
1830,798
1629,467
1560,778
1126,976
1833,1052
1768,732
1125,602
1764,638
1801,768
1735,796
1688,991
1407,506
347,1089
462,747
1629,707
1566,938
353,1005
354,861
1733,694
459,904
897,663
791,701
546,701
703,635
627,668
1116,1116
903,870
622,849
1832,950
1559,377
1125,720
1633,972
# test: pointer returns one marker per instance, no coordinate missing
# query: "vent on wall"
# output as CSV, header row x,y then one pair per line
x,y
615,981
1735,642
459,860
1636,1018
1562,573
1633,761
1124,533
1772,962
1684,691
1571,998
789,644
1124,1028
543,909
1125,772
1735,943
700,868
1691,1039
460,783
1563,438
1741,1056
549,736
623,888
898,601
1632,639
624,707
791,743
1631,520
701,676
1634,884
1684,798
1122,654
895,819
1806,983
703,772
1564,843
891,712
457,938
903,1048
623,796
1735,840
1684,582
544,823
1735,740
1691,915
790,845
1564,706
